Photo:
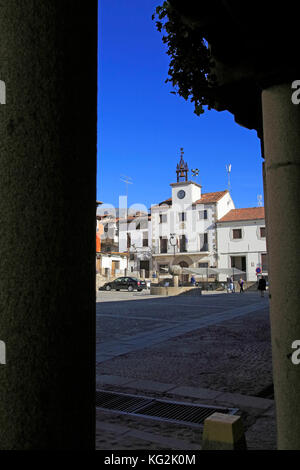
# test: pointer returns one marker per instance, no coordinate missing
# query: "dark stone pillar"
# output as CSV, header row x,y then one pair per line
x,y
281,122
48,61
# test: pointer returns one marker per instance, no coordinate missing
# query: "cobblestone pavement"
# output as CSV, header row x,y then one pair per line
x,y
212,349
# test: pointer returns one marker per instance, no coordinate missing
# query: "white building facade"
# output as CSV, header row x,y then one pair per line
x,y
184,228
241,239
191,229
135,235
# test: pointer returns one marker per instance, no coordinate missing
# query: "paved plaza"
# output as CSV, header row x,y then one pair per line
x,y
209,349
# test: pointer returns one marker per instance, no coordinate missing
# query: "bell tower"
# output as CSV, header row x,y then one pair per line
x,y
182,168
184,192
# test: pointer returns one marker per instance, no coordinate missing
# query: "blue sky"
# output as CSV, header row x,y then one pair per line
x,y
141,126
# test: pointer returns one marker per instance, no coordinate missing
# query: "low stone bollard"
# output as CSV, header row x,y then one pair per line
x,y
223,432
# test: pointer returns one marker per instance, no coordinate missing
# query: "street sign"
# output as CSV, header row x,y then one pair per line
x,y
258,270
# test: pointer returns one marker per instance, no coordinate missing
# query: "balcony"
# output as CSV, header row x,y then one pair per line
x,y
170,252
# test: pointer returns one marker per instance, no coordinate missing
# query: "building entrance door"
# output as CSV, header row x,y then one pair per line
x,y
184,277
114,265
240,263
145,265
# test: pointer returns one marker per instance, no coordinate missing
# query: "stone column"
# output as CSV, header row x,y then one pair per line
x,y
48,52
281,123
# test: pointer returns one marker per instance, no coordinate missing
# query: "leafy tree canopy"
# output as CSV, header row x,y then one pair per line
x,y
189,68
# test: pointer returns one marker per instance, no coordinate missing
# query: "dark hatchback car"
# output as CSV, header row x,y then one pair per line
x,y
128,283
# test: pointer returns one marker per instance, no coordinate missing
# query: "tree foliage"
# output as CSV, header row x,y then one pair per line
x,y
189,67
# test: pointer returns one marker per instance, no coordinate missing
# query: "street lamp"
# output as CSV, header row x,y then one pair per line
x,y
173,242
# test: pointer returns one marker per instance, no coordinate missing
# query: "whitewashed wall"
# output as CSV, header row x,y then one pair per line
x,y
251,245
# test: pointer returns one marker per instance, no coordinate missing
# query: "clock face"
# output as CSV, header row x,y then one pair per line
x,y
181,194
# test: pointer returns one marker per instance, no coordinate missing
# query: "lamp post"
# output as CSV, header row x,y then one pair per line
x,y
173,243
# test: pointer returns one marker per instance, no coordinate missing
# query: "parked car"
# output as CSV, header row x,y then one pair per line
x,y
128,283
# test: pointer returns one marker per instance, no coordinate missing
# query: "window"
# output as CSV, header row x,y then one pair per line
x,y
163,245
182,241
202,215
182,216
262,232
203,242
202,265
145,239
236,233
162,218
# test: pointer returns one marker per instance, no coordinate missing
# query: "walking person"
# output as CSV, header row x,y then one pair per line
x,y
262,286
193,281
232,286
241,284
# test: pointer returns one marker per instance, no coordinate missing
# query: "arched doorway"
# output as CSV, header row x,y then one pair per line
x,y
184,277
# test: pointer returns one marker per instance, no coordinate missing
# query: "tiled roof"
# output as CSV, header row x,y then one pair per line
x,y
206,198
167,201
248,213
211,197
130,218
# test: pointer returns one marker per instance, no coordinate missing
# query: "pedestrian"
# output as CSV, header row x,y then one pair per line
x,y
241,284
231,284
262,286
193,281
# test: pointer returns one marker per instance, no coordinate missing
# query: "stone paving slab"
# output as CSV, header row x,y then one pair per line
x,y
245,401
194,392
113,380
152,386
235,400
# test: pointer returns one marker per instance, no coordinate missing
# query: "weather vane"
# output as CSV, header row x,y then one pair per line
x,y
195,172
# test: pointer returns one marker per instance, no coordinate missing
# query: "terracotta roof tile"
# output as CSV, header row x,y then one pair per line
x,y
248,213
211,197
167,201
206,198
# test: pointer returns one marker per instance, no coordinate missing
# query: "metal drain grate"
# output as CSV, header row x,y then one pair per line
x,y
162,410
120,401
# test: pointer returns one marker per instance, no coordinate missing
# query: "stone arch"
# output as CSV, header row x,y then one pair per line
x,y
183,259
